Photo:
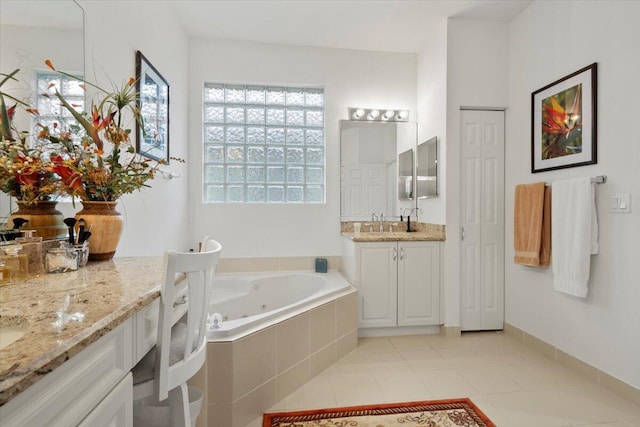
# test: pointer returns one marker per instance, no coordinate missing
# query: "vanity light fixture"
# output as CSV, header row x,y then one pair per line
x,y
374,115
358,113
388,115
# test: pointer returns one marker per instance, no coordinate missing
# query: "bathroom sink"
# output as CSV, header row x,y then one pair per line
x,y
12,328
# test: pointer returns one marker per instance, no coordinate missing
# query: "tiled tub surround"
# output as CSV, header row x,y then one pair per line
x,y
301,263
248,375
423,232
65,313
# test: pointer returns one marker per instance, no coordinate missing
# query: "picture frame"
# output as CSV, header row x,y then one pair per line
x,y
563,122
152,134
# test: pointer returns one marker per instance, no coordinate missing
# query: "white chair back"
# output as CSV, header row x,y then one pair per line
x,y
199,269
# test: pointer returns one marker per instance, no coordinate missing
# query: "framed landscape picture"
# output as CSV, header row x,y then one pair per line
x,y
563,122
152,136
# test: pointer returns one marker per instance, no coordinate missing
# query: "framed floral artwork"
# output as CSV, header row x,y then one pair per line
x,y
563,122
152,134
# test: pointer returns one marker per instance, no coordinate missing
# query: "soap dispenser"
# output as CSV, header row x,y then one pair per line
x,y
14,261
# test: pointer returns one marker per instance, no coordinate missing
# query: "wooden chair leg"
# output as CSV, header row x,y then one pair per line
x,y
179,404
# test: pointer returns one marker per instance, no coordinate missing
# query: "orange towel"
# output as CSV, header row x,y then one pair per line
x,y
545,244
529,226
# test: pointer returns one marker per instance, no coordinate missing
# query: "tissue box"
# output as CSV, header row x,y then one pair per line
x,y
321,265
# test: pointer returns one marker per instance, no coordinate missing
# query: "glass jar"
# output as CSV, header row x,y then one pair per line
x,y
62,259
82,251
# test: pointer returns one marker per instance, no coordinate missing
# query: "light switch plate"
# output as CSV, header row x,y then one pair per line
x,y
620,203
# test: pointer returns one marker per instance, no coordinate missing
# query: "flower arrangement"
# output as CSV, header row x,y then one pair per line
x,y
24,171
73,159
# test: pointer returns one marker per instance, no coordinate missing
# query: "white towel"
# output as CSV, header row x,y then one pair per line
x,y
574,234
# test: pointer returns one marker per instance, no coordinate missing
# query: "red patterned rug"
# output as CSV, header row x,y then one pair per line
x,y
431,413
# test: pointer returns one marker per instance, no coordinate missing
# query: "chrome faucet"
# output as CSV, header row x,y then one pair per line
x,y
381,222
374,218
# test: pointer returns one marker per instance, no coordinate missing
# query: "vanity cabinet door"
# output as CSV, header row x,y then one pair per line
x,y
67,395
418,283
377,268
116,409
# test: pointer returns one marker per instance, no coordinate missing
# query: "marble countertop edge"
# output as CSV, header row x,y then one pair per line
x,y
394,236
14,381
106,294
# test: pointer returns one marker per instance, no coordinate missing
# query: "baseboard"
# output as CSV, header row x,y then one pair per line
x,y
450,331
397,331
590,372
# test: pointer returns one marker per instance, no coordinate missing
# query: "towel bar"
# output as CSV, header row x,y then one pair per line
x,y
600,179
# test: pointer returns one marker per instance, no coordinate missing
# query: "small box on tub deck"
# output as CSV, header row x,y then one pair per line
x,y
321,265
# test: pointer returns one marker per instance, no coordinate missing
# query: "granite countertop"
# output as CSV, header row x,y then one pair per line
x,y
423,232
395,236
65,313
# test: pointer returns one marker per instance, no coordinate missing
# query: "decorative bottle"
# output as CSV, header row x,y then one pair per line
x,y
15,261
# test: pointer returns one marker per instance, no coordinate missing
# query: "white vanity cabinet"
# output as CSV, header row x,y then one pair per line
x,y
94,388
398,282
77,373
83,384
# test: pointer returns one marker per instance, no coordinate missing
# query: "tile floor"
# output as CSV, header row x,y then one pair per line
x,y
512,384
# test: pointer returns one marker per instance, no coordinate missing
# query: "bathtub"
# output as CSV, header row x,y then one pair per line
x,y
243,303
276,331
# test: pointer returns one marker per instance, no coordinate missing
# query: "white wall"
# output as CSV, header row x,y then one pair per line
x,y
548,41
350,78
432,113
476,77
155,218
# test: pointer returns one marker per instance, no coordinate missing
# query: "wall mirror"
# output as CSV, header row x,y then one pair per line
x,y
369,168
427,169
30,33
405,175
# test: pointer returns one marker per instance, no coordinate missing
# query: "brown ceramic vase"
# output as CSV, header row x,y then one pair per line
x,y
105,224
43,217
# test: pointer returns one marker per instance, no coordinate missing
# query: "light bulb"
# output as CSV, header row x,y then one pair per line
x,y
373,114
403,114
388,115
358,113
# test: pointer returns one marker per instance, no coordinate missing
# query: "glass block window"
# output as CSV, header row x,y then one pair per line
x,y
50,108
263,144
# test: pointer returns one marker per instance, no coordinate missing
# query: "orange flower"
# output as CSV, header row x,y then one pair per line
x,y
68,176
27,175
12,111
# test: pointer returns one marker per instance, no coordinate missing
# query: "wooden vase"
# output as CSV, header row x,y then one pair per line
x,y
43,217
105,224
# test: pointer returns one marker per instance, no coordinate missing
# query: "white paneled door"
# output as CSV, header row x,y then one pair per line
x,y
482,218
